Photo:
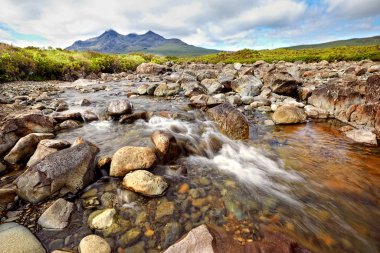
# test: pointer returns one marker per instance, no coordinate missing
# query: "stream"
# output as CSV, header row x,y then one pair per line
x,y
305,180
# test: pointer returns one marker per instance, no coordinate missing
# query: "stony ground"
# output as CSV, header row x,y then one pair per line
x,y
45,195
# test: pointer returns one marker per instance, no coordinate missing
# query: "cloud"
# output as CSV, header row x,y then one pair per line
x,y
221,24
354,8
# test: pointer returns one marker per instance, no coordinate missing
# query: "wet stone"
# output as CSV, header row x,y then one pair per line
x,y
171,233
164,209
130,237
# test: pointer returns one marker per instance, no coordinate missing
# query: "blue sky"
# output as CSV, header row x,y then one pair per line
x,y
221,24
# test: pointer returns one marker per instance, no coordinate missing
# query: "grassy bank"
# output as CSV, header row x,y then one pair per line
x,y
37,64
47,64
355,53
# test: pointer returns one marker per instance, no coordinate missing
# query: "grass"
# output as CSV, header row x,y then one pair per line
x,y
346,53
48,64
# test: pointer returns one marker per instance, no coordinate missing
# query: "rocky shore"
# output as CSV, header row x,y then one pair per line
x,y
127,201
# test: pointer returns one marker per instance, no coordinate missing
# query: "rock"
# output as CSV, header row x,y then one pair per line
x,y
237,66
21,124
199,239
25,147
165,208
129,158
94,243
281,82
164,89
57,215
230,120
372,89
16,238
212,86
60,117
289,115
69,124
2,168
374,69
130,237
89,116
316,113
104,162
150,68
147,89
68,170
234,100
101,219
47,147
171,233
337,96
166,145
119,107
7,196
61,106
145,183
268,122
362,136
130,118
247,85
226,77
85,102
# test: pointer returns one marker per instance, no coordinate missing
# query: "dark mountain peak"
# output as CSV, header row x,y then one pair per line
x,y
151,34
113,42
110,33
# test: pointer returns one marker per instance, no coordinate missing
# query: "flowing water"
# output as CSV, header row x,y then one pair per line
x,y
305,180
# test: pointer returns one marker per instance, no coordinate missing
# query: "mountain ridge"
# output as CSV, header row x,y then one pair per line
x,y
366,41
111,41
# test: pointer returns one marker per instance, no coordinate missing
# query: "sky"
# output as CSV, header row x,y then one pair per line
x,y
219,24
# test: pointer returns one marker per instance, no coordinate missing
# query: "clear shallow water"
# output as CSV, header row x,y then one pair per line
x,y
305,180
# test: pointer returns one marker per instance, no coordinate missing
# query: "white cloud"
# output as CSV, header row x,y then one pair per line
x,y
213,23
354,8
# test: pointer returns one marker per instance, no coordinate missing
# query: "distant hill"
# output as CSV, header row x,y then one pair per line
x,y
150,42
350,42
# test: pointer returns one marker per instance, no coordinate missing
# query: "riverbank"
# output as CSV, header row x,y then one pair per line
x,y
259,173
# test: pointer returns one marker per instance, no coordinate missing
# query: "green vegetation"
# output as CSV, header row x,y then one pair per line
x,y
46,64
38,64
340,43
308,55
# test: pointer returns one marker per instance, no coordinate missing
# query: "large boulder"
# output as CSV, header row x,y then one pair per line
x,y
337,96
25,147
281,82
47,147
21,124
16,238
150,68
129,158
289,114
145,183
230,120
57,215
247,85
68,170
119,107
